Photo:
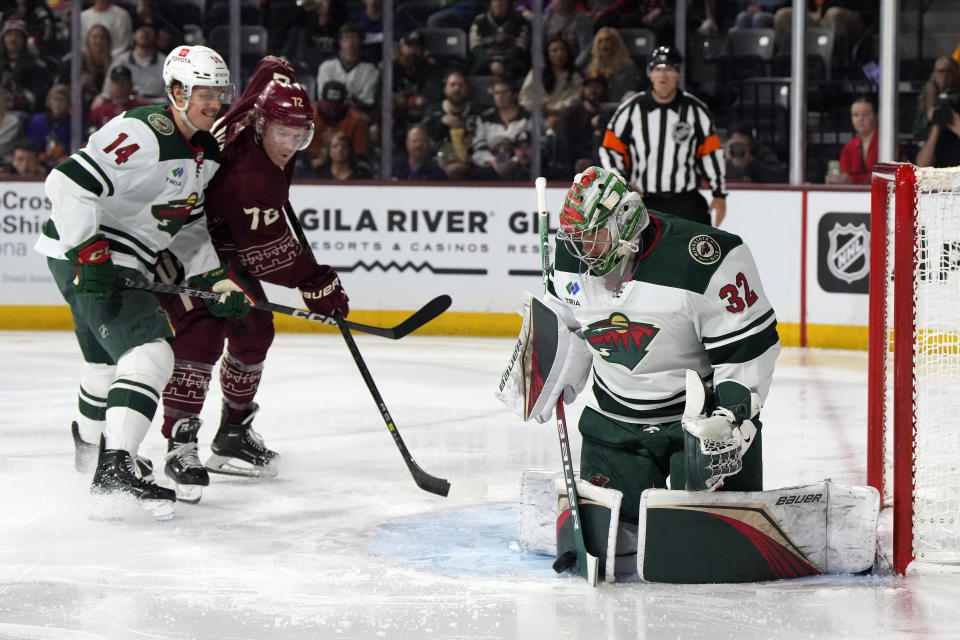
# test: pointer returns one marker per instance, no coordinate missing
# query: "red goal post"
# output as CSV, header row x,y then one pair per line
x,y
913,414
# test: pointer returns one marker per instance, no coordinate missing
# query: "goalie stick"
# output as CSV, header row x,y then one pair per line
x,y
422,316
423,479
586,563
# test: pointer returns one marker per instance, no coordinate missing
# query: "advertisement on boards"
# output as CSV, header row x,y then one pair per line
x,y
399,246
24,278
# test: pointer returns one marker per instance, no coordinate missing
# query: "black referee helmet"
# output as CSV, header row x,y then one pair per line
x,y
665,56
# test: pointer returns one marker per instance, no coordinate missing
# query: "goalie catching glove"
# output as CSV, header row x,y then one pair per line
x,y
324,294
717,431
234,301
95,274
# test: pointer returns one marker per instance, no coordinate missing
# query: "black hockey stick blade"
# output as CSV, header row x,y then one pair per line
x,y
424,480
422,316
427,482
419,318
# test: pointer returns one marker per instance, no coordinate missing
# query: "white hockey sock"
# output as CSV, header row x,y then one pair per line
x,y
142,373
92,400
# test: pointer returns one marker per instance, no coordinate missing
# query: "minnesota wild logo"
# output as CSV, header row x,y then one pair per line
x,y
620,341
173,215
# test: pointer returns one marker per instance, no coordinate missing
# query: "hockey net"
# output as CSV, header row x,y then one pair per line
x,y
913,444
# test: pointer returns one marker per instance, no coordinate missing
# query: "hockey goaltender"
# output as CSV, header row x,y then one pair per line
x,y
671,318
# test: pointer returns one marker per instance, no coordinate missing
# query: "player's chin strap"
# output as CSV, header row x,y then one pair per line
x,y
715,438
183,112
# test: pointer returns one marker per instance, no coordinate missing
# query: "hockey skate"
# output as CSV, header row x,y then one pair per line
x,y
85,456
238,450
84,453
183,465
116,484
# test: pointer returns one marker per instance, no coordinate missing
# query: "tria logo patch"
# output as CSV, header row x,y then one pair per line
x,y
619,340
177,173
573,288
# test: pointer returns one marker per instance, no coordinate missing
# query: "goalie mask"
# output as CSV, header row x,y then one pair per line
x,y
601,220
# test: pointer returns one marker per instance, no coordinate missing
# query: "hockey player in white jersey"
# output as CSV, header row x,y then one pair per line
x,y
652,296
135,189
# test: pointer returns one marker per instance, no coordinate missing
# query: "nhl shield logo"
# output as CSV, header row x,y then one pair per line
x,y
848,255
682,131
619,340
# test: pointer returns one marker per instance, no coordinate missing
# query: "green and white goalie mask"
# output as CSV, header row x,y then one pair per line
x,y
601,222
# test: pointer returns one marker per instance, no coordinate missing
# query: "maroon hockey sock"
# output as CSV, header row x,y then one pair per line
x,y
185,392
239,382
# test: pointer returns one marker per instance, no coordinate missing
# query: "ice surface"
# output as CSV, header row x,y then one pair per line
x,y
344,545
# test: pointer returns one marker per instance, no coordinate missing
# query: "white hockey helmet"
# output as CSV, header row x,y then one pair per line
x,y
192,66
600,199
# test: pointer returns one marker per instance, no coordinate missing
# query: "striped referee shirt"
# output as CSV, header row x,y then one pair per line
x,y
662,148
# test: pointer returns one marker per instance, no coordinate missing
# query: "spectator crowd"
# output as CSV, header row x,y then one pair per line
x,y
463,91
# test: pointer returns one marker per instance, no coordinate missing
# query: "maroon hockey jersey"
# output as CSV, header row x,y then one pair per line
x,y
245,215
245,199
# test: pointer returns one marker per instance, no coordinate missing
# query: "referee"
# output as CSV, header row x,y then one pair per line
x,y
663,142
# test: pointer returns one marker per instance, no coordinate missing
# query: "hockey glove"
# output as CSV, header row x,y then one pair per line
x,y
234,301
717,431
95,274
323,293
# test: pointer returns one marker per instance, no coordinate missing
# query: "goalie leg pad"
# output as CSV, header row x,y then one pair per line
x,y
696,537
538,510
548,359
600,522
541,491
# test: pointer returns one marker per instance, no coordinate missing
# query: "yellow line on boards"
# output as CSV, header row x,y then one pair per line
x,y
451,323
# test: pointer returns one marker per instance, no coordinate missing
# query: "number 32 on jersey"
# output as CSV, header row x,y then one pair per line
x,y
739,296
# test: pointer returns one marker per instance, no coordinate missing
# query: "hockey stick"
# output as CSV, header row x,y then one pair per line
x,y
423,479
587,563
422,316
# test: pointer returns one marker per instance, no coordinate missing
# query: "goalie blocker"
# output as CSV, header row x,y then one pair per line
x,y
548,359
709,537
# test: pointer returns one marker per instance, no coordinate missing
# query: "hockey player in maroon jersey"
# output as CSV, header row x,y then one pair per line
x,y
262,133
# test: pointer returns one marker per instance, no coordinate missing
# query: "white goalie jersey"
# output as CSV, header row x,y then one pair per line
x,y
139,182
695,301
